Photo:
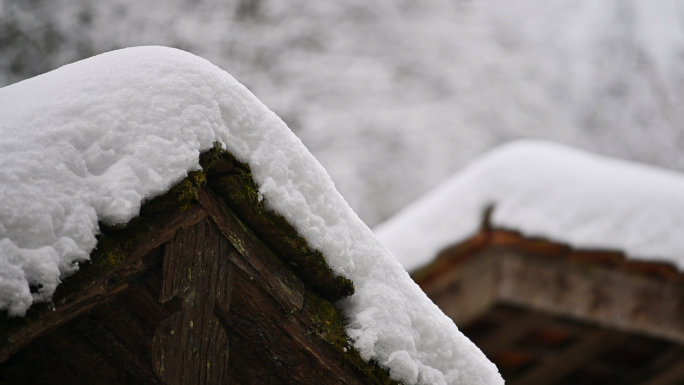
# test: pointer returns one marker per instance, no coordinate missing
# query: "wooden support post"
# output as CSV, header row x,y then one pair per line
x,y
191,346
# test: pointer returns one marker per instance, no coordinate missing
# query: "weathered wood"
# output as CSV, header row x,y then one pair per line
x,y
617,358
452,258
559,366
277,348
238,192
119,352
75,354
117,334
509,333
124,333
466,292
601,287
72,300
191,346
604,295
278,280
674,375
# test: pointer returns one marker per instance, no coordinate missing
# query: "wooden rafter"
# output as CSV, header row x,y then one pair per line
x,y
602,287
548,371
108,285
255,258
584,316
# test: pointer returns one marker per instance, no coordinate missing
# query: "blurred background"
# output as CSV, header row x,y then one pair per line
x,y
394,96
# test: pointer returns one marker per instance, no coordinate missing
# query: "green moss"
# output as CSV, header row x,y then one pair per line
x,y
232,180
182,195
330,326
117,242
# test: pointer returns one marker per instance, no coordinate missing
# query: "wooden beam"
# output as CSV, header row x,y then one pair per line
x,y
558,366
509,333
18,332
254,257
674,375
278,348
191,346
600,294
466,292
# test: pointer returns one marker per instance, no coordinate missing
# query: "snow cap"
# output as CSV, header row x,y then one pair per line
x,y
548,190
93,140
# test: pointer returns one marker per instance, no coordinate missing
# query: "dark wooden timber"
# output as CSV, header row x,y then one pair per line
x,y
550,370
546,313
71,300
198,289
191,346
191,306
109,344
672,375
603,287
278,280
515,329
563,351
287,347
241,196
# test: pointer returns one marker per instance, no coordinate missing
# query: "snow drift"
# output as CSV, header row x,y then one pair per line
x,y
551,191
93,140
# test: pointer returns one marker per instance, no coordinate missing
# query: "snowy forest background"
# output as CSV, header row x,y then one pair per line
x,y
394,96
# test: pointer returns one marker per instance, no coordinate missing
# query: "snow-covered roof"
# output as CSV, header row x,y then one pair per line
x,y
93,140
548,190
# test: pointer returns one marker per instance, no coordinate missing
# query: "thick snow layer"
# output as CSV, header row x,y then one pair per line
x,y
552,191
96,138
393,97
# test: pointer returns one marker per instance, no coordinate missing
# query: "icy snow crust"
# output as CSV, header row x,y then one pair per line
x,y
552,191
96,138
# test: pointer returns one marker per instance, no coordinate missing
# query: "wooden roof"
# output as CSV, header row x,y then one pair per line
x,y
206,286
534,347
546,313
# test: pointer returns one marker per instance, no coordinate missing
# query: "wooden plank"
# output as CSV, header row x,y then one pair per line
x,y
109,283
509,333
464,293
279,235
191,346
674,375
451,258
89,364
114,349
558,366
278,280
279,348
604,295
119,332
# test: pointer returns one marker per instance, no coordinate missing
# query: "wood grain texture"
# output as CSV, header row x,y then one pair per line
x,y
230,183
597,286
191,346
264,266
604,295
187,289
270,347
109,344
70,301
549,371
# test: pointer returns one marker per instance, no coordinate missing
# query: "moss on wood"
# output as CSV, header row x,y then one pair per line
x,y
330,326
232,180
